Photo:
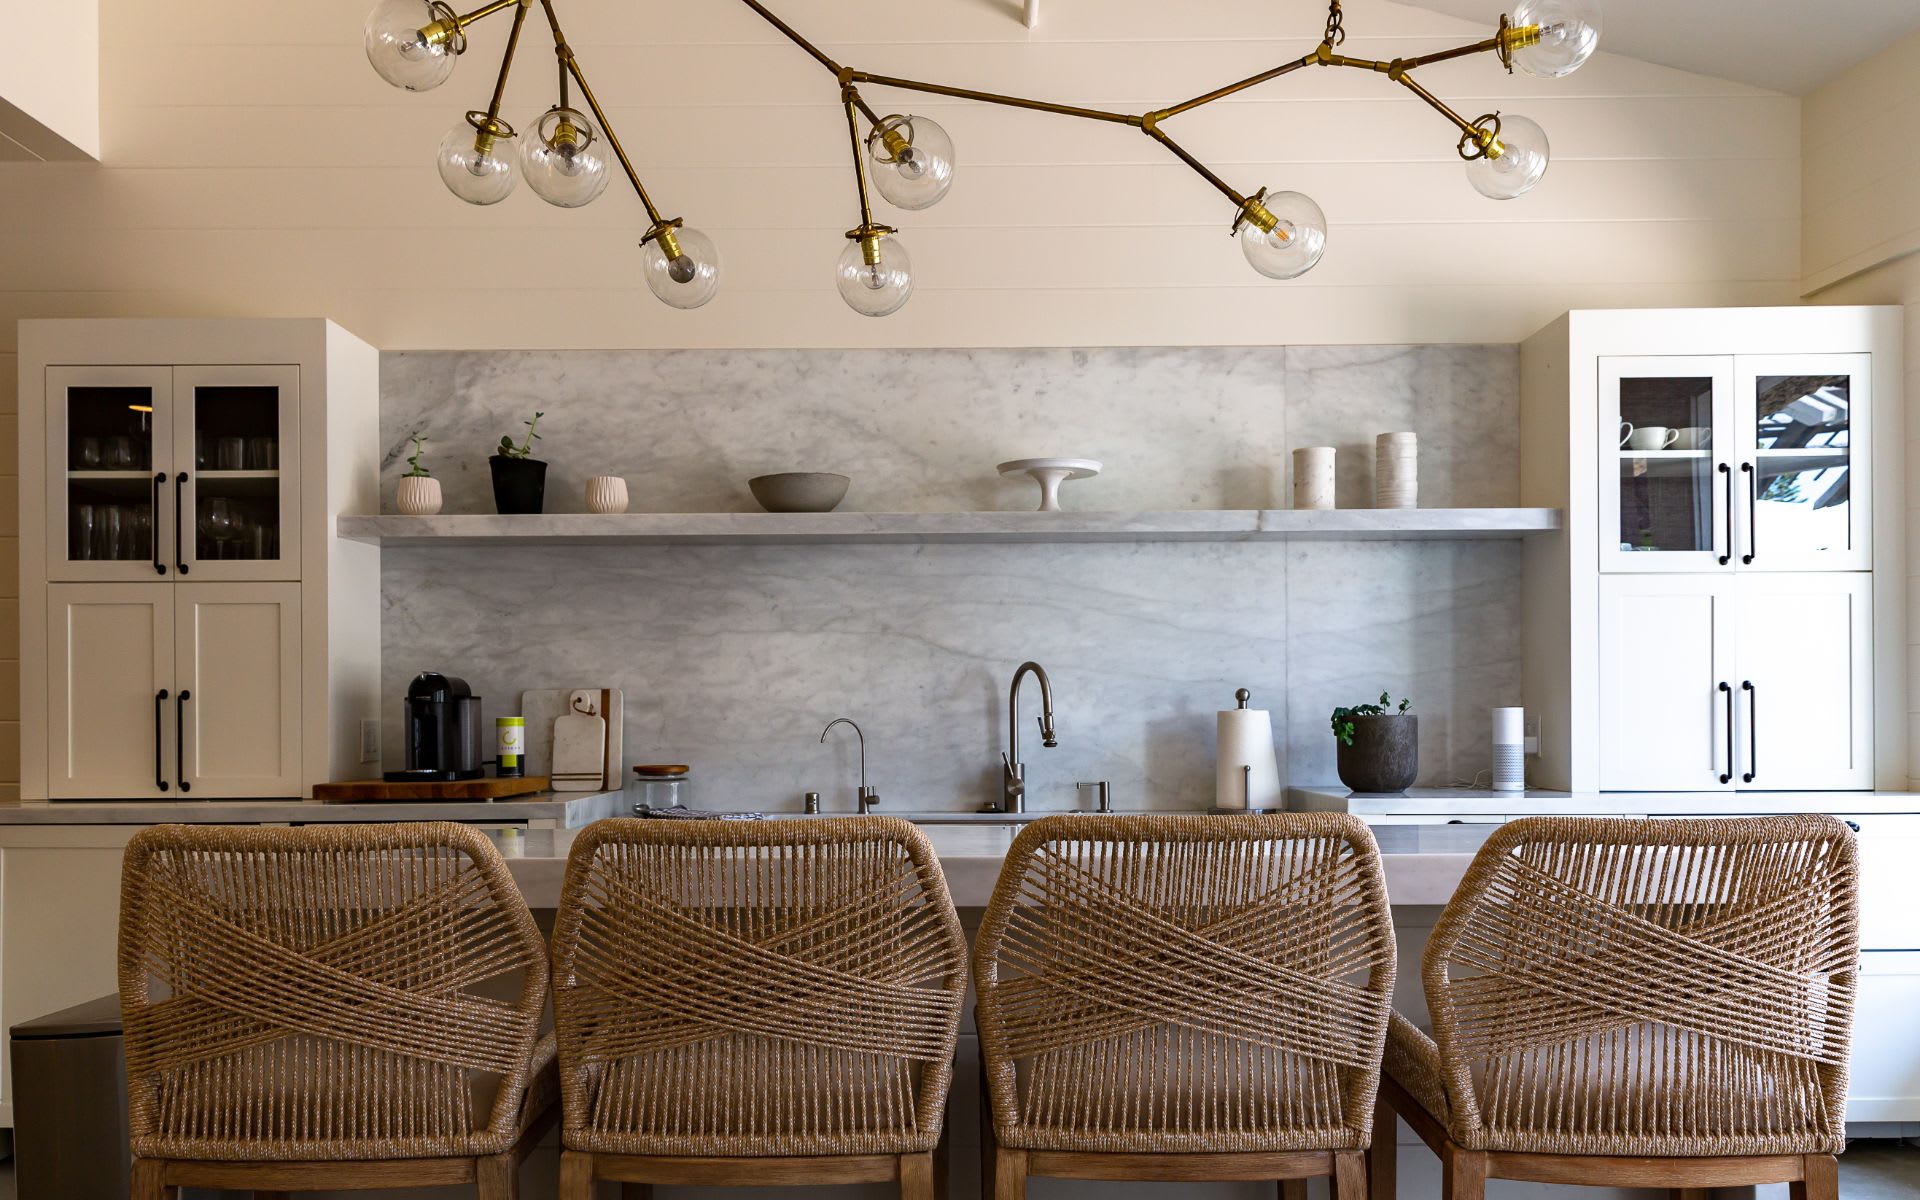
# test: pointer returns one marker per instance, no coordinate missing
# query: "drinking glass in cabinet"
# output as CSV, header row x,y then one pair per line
x,y
1802,481
1666,466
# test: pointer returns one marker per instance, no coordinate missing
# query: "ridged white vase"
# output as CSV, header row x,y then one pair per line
x,y
1396,471
417,496
606,494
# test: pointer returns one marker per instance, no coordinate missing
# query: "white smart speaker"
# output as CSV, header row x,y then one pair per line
x,y
1509,749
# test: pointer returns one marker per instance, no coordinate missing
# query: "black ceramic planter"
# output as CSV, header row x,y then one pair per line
x,y
1385,755
519,484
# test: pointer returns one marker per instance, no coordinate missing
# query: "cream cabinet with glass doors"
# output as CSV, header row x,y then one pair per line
x,y
191,628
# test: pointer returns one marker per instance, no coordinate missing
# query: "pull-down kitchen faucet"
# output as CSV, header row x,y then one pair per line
x,y
1013,783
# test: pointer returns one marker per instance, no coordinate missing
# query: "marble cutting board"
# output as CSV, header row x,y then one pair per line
x,y
543,707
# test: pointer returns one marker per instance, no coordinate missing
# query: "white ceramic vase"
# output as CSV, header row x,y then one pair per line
x,y
606,494
418,496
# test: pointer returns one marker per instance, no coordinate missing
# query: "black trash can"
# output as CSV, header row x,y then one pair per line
x,y
70,1105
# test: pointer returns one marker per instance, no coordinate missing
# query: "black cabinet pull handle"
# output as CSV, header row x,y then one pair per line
x,y
1726,776
1727,478
1753,730
159,481
159,719
1753,511
179,490
180,738
1853,825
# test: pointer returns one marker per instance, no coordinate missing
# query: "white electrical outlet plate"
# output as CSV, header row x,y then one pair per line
x,y
1531,739
369,741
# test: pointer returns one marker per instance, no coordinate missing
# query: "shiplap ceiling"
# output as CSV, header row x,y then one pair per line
x,y
1789,46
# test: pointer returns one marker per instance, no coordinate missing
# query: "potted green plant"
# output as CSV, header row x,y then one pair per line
x,y
1379,745
419,492
519,479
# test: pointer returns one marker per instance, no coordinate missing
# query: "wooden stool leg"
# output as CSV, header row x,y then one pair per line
x,y
1463,1174
1349,1175
1009,1174
576,1176
1293,1189
1383,1155
1822,1182
147,1182
916,1177
497,1177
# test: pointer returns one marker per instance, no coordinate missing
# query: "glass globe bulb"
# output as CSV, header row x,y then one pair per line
x,y
875,289
563,159
399,50
478,166
912,161
687,279
1519,163
1293,245
1569,34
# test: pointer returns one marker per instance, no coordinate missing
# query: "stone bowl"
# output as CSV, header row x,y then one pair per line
x,y
799,491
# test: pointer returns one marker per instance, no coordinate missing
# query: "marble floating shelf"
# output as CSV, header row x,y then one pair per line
x,y
859,528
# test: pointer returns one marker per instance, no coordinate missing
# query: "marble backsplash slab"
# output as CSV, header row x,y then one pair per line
x,y
921,430
733,659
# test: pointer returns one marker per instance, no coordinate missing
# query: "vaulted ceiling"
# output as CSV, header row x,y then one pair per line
x,y
1789,46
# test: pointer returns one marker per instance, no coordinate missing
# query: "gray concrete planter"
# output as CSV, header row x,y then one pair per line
x,y
1385,755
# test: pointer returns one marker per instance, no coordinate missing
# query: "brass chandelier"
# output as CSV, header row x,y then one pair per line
x,y
414,44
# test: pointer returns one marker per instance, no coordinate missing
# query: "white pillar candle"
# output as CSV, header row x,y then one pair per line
x,y
1313,477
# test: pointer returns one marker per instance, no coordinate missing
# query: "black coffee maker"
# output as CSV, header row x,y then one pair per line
x,y
442,725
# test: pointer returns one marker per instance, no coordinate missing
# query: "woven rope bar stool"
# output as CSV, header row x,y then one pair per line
x,y
330,1008
1635,1003
755,1004
1185,998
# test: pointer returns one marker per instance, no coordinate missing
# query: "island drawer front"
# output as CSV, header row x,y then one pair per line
x,y
1883,1081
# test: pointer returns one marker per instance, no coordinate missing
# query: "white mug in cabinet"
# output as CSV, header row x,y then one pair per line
x,y
1313,477
606,494
1396,470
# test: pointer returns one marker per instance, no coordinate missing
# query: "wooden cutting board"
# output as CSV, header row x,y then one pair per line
x,y
542,706
362,791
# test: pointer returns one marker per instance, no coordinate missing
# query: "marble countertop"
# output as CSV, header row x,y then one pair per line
x,y
568,810
1424,863
1471,802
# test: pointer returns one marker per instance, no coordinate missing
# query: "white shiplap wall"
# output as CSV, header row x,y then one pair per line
x,y
254,164
1862,232
1861,155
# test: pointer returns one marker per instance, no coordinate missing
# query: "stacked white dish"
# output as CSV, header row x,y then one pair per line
x,y
1396,470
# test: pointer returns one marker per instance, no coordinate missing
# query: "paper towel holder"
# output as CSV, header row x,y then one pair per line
x,y
1243,696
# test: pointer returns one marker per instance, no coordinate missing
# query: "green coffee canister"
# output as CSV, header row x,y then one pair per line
x,y
510,734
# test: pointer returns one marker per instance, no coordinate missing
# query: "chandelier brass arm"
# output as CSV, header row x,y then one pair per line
x,y
910,160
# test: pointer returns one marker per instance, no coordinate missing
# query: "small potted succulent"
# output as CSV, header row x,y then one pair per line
x,y
419,492
519,479
1379,745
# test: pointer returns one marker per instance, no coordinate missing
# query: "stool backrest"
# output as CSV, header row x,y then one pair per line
x,y
328,992
756,987
1646,987
1186,983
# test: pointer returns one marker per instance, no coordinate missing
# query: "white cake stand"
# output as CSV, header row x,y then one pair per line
x,y
1050,473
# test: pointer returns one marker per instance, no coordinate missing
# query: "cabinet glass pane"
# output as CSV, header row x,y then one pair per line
x,y
109,474
236,445
1666,466
1802,478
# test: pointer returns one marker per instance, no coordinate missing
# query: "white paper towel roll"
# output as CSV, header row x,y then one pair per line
x,y
1245,739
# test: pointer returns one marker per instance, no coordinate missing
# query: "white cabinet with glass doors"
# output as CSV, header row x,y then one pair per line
x,y
1735,463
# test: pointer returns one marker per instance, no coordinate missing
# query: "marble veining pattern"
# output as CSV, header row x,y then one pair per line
x,y
734,657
